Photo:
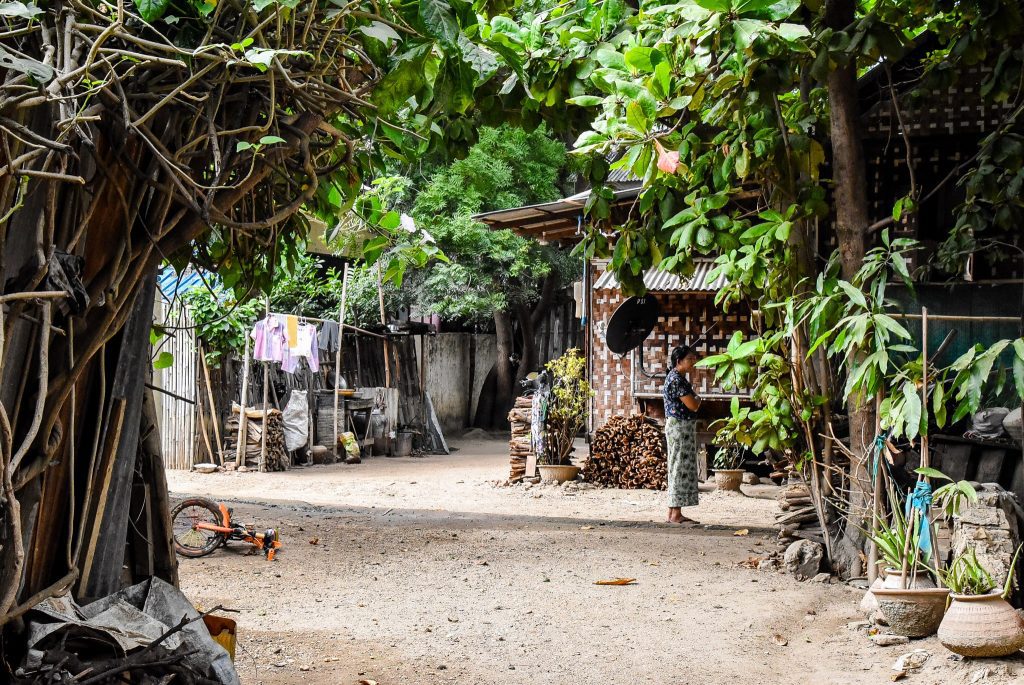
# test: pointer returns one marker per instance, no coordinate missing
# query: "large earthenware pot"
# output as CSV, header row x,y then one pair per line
x,y
558,474
892,579
729,480
914,612
981,626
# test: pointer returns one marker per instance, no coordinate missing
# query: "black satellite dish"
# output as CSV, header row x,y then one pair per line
x,y
631,323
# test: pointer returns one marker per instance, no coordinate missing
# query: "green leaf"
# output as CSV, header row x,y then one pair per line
x,y
164,360
22,10
911,410
715,5
438,18
929,472
151,10
585,100
271,140
242,146
854,294
643,59
610,59
382,32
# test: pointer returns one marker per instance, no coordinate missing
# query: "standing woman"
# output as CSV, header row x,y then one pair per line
x,y
681,404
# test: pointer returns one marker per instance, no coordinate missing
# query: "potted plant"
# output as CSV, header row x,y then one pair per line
x,y
728,468
979,621
913,610
567,409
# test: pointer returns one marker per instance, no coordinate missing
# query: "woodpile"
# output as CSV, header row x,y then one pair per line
x,y
520,446
628,452
798,518
277,455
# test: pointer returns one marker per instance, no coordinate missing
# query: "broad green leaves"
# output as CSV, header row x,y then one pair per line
x,y
151,10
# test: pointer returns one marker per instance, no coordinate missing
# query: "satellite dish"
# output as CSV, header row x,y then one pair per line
x,y
631,323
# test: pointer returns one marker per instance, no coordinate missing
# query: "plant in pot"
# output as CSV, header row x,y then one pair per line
x,y
979,621
905,545
729,468
567,410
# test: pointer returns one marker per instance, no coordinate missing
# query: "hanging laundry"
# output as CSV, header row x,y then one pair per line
x,y
304,344
291,331
329,336
269,341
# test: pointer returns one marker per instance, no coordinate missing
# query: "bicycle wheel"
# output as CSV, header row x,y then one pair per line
x,y
190,541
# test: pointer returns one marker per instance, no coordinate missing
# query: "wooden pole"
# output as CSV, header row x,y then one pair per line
x,y
338,354
876,502
925,462
384,323
243,419
266,401
214,414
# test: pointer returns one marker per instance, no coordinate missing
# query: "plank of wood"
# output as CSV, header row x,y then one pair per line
x,y
955,459
106,549
990,465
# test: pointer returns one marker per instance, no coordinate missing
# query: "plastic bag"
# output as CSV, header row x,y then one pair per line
x,y
296,421
348,441
988,423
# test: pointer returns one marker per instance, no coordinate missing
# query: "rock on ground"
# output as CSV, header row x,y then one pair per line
x,y
803,559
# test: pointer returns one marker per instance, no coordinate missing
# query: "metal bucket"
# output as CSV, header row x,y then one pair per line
x,y
403,445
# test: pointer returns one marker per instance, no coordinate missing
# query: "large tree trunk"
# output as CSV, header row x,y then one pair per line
x,y
851,207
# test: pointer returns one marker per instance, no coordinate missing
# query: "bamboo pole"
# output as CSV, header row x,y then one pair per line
x,y
338,353
214,415
384,323
925,462
876,502
266,400
243,419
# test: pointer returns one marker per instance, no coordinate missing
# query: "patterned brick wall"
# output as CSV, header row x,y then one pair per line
x,y
683,317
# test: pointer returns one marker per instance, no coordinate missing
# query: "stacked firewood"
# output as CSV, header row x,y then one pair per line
x,y
798,518
277,455
628,452
520,446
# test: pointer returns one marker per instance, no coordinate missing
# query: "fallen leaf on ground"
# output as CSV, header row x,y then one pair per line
x,y
779,640
586,528
616,581
366,681
751,562
314,541
742,531
898,676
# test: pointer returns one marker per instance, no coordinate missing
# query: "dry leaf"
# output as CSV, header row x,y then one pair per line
x,y
898,676
314,541
367,681
742,531
616,581
586,528
779,640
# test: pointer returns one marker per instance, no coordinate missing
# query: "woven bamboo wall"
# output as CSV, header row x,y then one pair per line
x,y
683,317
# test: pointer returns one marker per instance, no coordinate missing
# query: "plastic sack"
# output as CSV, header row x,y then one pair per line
x,y
988,423
296,421
1012,425
348,441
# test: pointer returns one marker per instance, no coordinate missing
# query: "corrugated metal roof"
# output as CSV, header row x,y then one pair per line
x,y
561,216
171,284
663,282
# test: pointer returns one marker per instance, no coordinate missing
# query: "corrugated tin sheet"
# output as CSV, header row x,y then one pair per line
x,y
663,282
171,284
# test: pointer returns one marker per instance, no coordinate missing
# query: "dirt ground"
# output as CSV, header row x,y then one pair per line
x,y
425,571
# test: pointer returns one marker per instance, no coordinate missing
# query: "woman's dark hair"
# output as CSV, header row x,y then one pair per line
x,y
679,354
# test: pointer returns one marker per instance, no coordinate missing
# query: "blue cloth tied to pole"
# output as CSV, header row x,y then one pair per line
x,y
921,500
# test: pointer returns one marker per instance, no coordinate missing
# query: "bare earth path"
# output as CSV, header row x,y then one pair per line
x,y
425,572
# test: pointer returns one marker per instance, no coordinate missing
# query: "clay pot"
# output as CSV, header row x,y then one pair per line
x,y
729,480
914,612
891,579
558,474
981,626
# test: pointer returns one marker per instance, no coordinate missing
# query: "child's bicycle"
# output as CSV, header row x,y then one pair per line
x,y
200,526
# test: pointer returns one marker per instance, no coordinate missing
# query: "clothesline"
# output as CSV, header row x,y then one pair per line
x,y
348,326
